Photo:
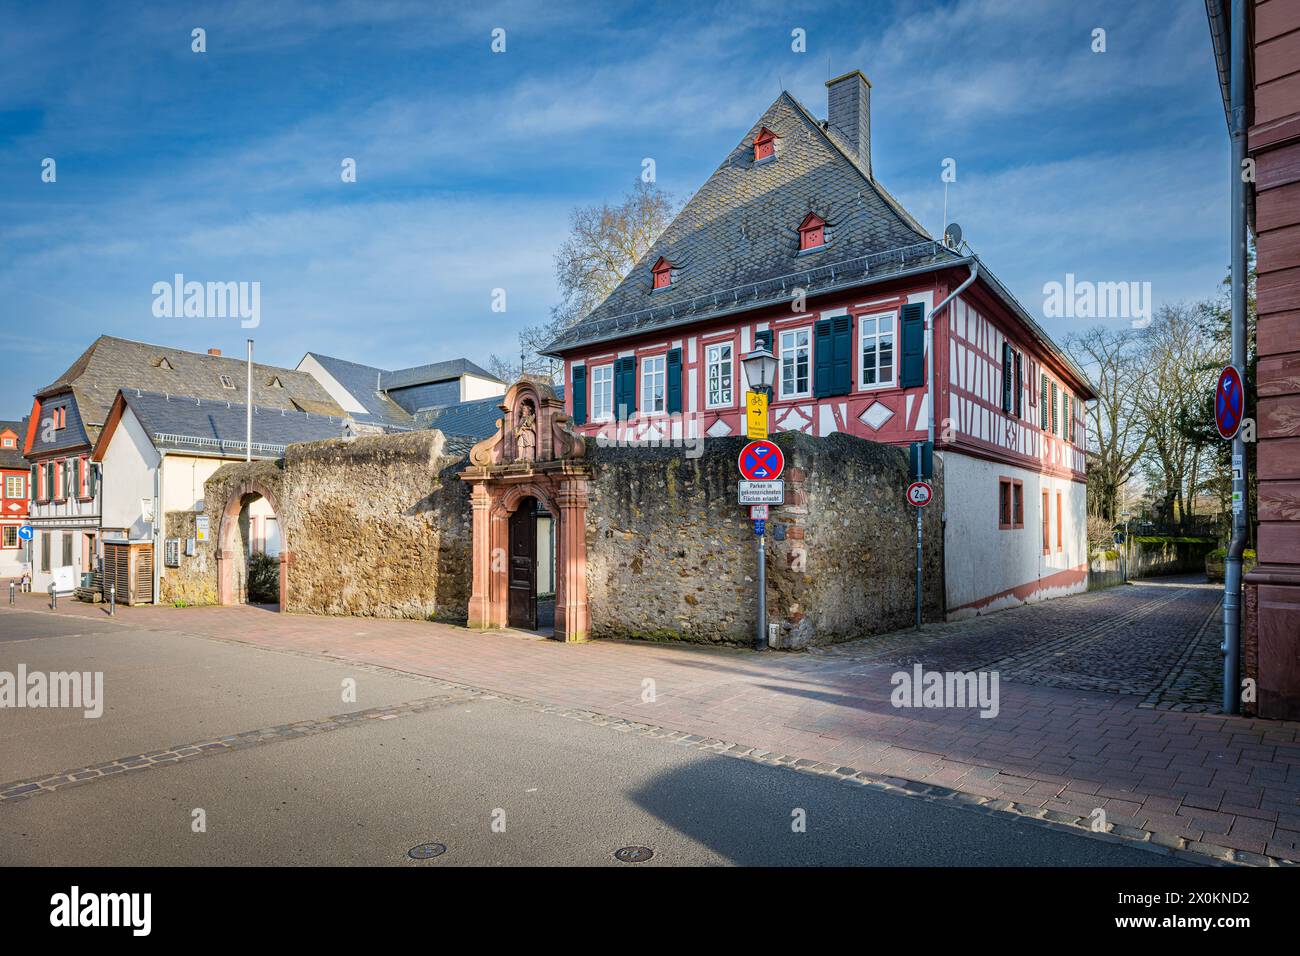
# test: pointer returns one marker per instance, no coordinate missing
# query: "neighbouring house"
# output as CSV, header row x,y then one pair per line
x,y
793,244
156,452
394,398
1271,622
13,498
68,415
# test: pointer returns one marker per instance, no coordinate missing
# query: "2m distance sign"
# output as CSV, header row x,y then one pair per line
x,y
919,493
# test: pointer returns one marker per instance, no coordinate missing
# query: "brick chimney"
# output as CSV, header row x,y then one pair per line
x,y
848,112
214,351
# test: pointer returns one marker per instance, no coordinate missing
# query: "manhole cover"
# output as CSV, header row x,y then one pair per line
x,y
426,851
633,854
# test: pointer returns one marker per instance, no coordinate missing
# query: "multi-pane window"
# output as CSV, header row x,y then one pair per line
x,y
718,373
796,353
10,536
1011,504
67,550
654,384
602,392
15,487
877,337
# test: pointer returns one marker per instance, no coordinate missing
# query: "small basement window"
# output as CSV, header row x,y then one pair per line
x,y
764,145
663,274
812,232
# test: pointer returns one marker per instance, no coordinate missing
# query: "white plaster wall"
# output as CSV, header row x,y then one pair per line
x,y
981,560
331,385
472,387
130,465
183,479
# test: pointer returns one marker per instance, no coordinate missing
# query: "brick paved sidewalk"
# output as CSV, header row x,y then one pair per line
x,y
1224,786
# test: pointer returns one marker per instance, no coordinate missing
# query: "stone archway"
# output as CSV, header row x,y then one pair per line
x,y
228,542
534,453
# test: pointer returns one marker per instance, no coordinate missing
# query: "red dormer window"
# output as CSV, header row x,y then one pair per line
x,y
764,145
663,274
812,232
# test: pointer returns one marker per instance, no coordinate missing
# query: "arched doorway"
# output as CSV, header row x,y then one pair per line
x,y
531,473
252,557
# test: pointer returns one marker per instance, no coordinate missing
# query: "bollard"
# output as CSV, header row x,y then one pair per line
x,y
13,586
112,599
54,598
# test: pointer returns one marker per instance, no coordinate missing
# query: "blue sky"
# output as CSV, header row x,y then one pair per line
x,y
225,166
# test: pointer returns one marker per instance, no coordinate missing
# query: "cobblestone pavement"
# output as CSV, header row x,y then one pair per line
x,y
1224,787
1157,640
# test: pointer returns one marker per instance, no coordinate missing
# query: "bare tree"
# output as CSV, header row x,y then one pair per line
x,y
603,245
1116,438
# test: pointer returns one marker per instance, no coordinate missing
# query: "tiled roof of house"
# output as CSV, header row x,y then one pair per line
x,y
13,457
111,364
202,426
362,383
737,238
435,372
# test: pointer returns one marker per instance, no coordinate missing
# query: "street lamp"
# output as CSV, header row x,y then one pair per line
x,y
760,369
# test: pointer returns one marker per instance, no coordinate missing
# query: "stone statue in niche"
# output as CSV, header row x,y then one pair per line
x,y
526,433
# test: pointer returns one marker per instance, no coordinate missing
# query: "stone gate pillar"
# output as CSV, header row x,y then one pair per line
x,y
480,601
572,622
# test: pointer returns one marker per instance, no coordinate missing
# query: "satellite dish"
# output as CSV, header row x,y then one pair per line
x,y
952,236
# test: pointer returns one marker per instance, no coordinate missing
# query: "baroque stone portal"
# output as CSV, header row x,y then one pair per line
x,y
534,453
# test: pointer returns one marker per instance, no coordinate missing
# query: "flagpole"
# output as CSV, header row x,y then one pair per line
x,y
248,408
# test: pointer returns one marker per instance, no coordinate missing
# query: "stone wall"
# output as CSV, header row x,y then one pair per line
x,y
373,526
671,556
194,581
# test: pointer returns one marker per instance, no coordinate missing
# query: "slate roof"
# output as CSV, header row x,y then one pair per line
x,y
362,383
476,419
435,372
111,364
13,457
737,238
205,427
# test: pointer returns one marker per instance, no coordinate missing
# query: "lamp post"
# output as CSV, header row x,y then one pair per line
x,y
760,372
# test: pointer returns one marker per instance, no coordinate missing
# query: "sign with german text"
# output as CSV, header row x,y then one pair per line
x,y
756,415
760,492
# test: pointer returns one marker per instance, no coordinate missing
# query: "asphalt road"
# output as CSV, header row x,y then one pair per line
x,y
497,782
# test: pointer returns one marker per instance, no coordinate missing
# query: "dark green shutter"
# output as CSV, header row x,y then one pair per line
x,y
1042,403
1055,422
822,351
625,387
92,481
1020,387
674,378
1067,431
34,487
1006,377
913,345
579,386
841,355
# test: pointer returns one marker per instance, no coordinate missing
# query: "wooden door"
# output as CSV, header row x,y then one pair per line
x,y
523,565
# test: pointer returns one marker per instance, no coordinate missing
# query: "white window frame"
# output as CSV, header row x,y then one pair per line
x,y
875,317
806,349
710,362
22,487
653,367
597,381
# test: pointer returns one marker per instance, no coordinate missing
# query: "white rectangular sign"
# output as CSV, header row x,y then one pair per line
x,y
760,492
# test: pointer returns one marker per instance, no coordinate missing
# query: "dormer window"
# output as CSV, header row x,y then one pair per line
x,y
162,363
60,418
275,382
663,274
227,382
812,232
764,145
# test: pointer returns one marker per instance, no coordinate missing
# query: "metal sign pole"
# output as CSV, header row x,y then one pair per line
x,y
919,458
760,635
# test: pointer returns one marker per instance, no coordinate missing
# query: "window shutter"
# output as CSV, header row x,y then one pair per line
x,y
1042,403
579,385
841,355
674,377
625,387
1006,377
1020,387
94,479
913,323
822,351
35,485
1067,426
1054,419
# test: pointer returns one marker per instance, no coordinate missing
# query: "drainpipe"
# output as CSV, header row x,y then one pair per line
x,y
159,528
929,350
1231,646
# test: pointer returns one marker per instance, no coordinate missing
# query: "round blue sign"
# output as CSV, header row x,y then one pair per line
x,y
1229,402
25,532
